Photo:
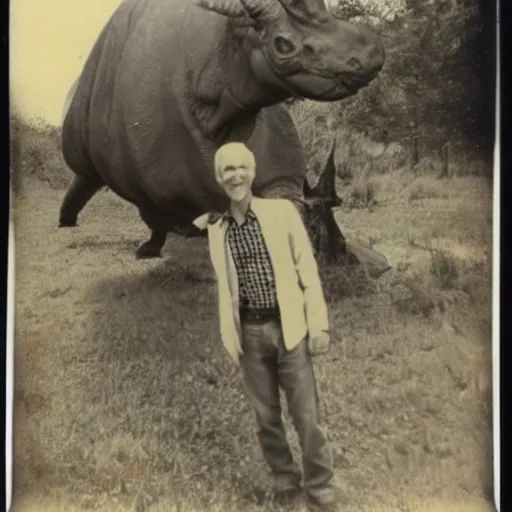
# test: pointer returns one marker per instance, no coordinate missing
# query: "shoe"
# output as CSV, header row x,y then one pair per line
x,y
315,506
286,497
328,503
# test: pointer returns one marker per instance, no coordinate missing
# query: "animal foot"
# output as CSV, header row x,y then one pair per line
x,y
147,251
67,223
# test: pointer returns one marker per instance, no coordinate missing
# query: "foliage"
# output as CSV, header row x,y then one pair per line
x,y
363,194
381,9
35,150
435,91
433,84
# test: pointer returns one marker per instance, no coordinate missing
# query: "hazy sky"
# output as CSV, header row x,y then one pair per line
x,y
50,41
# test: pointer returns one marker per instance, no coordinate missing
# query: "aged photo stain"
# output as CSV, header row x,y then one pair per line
x,y
253,255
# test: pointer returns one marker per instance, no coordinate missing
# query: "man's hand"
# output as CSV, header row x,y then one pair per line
x,y
319,344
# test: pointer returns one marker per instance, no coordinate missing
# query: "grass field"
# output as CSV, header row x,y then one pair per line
x,y
125,399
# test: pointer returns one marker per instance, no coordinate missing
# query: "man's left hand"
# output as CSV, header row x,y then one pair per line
x,y
319,344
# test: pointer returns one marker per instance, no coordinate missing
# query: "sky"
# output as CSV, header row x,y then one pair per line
x,y
49,42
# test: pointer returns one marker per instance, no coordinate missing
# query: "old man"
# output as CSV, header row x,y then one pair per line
x,y
273,318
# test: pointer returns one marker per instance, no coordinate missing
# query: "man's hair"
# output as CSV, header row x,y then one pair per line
x,y
233,152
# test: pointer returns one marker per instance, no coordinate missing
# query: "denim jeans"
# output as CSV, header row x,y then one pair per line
x,y
267,365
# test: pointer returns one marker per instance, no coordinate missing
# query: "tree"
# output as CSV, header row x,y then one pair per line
x,y
434,71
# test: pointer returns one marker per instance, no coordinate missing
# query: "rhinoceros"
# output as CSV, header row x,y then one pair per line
x,y
168,81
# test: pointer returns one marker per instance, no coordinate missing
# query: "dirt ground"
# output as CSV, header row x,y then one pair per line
x,y
124,398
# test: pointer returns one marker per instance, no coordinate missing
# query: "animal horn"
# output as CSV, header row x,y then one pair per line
x,y
326,186
229,8
263,11
307,191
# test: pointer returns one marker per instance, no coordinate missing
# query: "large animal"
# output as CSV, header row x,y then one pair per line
x,y
168,81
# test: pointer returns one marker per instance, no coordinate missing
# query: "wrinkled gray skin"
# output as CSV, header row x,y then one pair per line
x,y
168,81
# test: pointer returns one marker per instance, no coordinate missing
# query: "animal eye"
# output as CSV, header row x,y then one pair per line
x,y
283,45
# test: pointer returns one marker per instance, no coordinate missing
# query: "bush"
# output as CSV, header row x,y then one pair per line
x,y
436,85
363,194
444,268
349,281
36,153
413,296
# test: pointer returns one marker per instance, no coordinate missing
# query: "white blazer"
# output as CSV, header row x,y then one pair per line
x,y
298,287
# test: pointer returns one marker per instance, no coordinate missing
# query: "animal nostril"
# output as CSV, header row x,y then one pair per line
x,y
355,64
308,49
284,45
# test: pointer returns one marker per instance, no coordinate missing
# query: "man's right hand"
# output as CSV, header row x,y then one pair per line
x,y
319,344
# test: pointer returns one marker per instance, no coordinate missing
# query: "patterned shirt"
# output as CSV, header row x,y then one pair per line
x,y
252,261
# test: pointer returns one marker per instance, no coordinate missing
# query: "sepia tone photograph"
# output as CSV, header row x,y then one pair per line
x,y
252,255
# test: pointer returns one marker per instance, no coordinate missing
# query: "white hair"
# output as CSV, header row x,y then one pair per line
x,y
230,153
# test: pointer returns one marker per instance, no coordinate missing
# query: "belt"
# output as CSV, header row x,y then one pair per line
x,y
259,315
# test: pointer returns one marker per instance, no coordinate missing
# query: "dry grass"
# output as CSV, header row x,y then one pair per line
x,y
126,400
363,194
38,153
115,504
423,188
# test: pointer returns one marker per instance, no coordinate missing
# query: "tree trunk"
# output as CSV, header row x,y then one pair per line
x,y
415,153
415,157
443,153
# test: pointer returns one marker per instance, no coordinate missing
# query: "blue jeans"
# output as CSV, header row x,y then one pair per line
x,y
267,365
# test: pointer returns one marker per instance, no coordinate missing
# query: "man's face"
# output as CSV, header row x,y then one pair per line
x,y
236,179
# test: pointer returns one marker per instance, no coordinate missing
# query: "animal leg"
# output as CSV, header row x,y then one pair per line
x,y
153,247
78,195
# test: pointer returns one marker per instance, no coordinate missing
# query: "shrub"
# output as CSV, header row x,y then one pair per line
x,y
363,194
36,153
413,296
349,281
443,266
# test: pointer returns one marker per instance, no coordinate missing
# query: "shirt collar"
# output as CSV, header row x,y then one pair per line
x,y
226,216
